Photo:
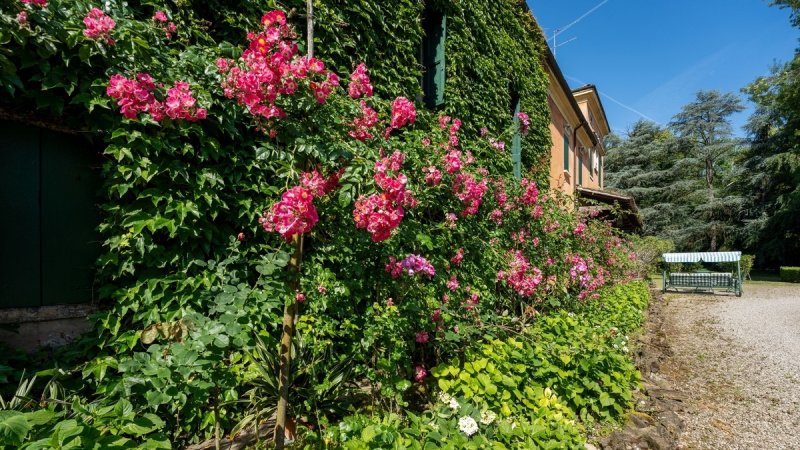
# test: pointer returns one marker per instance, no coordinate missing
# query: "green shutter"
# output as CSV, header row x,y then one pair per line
x,y
580,169
566,151
600,171
433,57
591,162
20,283
516,141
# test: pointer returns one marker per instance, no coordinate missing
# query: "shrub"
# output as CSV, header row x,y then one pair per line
x,y
747,266
790,274
648,250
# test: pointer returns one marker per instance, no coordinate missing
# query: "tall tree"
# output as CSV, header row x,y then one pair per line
x,y
706,139
772,221
679,174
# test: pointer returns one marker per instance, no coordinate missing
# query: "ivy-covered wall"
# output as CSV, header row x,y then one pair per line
x,y
175,196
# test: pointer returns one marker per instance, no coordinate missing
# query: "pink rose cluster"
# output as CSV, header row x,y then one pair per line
x,y
403,112
160,18
39,3
359,128
295,213
271,68
381,213
531,194
411,265
521,277
524,123
359,83
98,25
470,192
135,96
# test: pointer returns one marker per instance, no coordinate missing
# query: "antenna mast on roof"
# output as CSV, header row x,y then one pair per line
x,y
557,31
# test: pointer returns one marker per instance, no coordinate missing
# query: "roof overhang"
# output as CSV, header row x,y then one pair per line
x,y
605,203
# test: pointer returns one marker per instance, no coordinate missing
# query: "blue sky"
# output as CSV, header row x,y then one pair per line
x,y
648,58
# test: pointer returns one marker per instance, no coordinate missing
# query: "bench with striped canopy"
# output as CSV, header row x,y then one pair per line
x,y
728,281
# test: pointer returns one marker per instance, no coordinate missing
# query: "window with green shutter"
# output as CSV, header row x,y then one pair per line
x,y
48,241
516,141
580,169
566,150
591,163
433,57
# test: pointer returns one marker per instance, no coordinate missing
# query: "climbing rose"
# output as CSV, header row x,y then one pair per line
x,y
458,257
181,104
135,96
403,112
452,283
39,3
521,277
524,123
432,175
531,195
300,297
452,161
378,215
359,83
98,25
294,214
420,373
470,192
160,17
361,125
580,229
22,18
498,145
413,264
422,337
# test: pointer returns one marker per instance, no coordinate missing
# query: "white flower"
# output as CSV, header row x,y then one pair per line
x,y
453,404
444,397
487,417
468,425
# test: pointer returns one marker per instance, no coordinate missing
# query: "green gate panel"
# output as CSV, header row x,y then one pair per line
x,y
19,229
70,215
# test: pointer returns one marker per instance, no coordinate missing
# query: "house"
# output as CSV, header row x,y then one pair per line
x,y
578,126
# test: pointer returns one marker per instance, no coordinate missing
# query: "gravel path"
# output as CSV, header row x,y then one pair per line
x,y
737,362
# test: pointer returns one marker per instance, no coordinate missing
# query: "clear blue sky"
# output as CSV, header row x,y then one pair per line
x,y
652,56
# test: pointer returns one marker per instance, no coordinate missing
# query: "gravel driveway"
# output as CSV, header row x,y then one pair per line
x,y
737,362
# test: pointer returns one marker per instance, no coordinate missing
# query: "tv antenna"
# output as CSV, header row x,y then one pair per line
x,y
558,31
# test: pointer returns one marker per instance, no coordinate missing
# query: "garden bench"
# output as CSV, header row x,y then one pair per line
x,y
704,280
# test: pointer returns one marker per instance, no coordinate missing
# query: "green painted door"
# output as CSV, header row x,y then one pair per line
x,y
49,244
20,232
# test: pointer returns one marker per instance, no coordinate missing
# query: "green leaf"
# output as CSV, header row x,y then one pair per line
x,y
14,427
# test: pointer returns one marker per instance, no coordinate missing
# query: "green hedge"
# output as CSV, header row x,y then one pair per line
x,y
790,274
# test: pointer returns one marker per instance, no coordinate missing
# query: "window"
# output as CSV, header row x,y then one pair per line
x,y
516,141
580,168
566,149
433,57
48,183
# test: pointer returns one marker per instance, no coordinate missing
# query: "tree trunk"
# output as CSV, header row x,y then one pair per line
x,y
289,320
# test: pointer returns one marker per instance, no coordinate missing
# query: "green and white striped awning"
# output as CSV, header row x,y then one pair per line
x,y
702,256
